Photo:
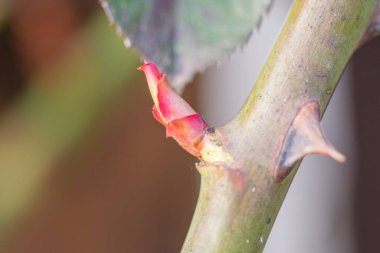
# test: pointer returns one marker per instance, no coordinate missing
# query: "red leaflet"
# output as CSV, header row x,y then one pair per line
x,y
181,121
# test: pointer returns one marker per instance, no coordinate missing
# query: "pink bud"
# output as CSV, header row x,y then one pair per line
x,y
181,121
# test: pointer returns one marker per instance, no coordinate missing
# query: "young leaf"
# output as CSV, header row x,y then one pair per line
x,y
184,37
182,123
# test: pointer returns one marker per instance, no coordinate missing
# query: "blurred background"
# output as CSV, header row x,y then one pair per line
x,y
84,167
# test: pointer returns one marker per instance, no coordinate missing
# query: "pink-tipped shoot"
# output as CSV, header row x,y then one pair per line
x,y
180,120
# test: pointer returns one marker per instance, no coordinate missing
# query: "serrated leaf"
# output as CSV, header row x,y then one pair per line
x,y
185,36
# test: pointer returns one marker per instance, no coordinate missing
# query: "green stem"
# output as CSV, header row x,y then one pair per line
x,y
239,198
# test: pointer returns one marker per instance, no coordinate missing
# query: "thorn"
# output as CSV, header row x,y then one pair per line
x,y
305,137
119,31
108,11
127,42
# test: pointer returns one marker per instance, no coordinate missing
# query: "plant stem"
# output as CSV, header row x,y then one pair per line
x,y
240,197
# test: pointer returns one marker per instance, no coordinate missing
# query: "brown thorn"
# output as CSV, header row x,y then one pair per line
x,y
304,137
